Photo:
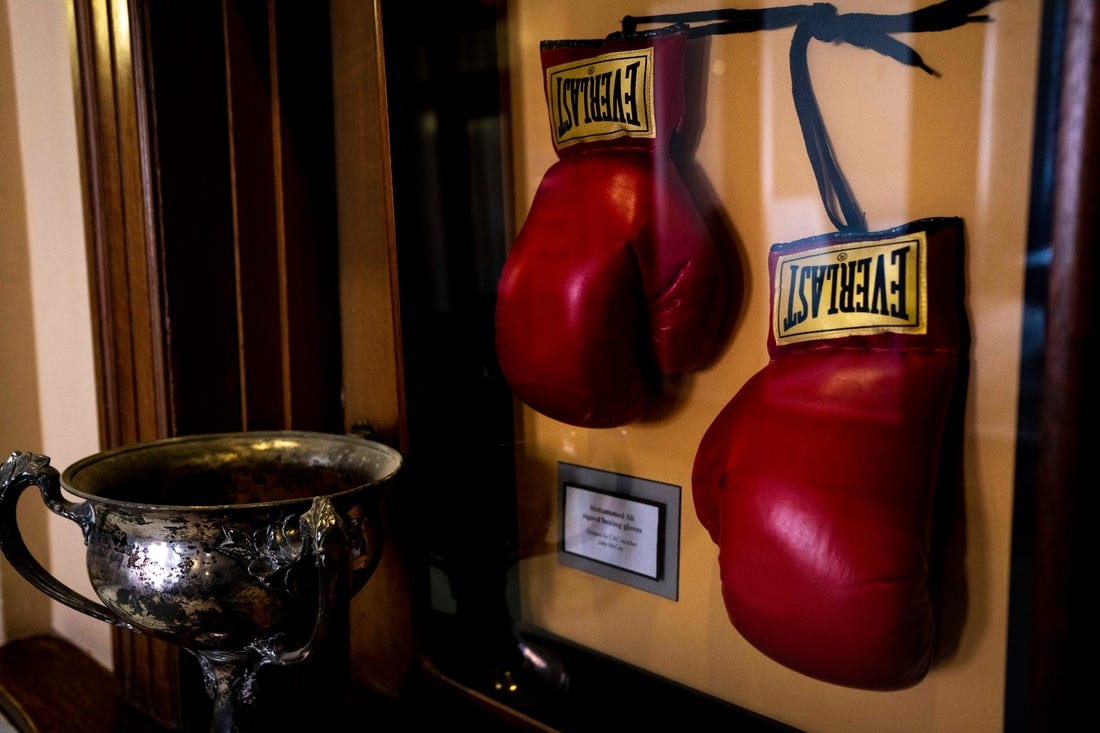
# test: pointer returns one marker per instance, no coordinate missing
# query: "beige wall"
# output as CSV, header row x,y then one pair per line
x,y
912,145
47,381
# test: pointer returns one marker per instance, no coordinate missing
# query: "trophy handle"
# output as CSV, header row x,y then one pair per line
x,y
323,544
319,541
16,474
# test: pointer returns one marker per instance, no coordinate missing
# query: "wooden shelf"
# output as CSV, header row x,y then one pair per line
x,y
49,684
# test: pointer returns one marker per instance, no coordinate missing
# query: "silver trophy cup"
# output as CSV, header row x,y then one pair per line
x,y
238,547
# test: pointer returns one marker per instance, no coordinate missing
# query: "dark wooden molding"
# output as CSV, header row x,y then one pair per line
x,y
382,651
1059,689
126,286
122,222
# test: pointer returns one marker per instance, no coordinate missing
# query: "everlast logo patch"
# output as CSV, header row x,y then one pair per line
x,y
601,98
851,288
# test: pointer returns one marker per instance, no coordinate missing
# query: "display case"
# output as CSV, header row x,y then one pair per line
x,y
578,637
546,574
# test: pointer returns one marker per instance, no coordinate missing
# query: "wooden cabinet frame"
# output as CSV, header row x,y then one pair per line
x,y
140,339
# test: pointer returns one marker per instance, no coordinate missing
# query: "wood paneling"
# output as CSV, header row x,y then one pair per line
x,y
127,291
225,284
382,651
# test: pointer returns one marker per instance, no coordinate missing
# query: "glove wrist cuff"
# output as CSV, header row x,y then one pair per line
x,y
898,289
625,91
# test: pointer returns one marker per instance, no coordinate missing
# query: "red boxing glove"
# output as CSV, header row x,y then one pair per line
x,y
816,481
614,279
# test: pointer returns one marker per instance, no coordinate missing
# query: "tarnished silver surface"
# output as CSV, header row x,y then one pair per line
x,y
235,546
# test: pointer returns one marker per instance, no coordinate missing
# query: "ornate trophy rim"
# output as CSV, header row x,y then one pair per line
x,y
312,448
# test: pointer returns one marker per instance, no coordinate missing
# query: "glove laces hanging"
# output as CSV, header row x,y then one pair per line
x,y
821,21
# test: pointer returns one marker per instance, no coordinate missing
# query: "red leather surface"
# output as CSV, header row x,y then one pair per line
x,y
614,280
817,483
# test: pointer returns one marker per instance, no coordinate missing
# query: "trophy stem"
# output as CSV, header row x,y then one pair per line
x,y
230,680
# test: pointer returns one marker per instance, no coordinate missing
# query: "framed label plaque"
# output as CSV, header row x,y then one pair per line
x,y
622,528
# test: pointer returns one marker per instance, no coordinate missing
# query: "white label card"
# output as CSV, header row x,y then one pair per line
x,y
613,530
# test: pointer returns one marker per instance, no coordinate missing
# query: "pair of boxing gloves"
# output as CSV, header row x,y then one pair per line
x,y
816,481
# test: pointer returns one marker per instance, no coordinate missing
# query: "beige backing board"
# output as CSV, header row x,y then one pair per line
x,y
912,145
